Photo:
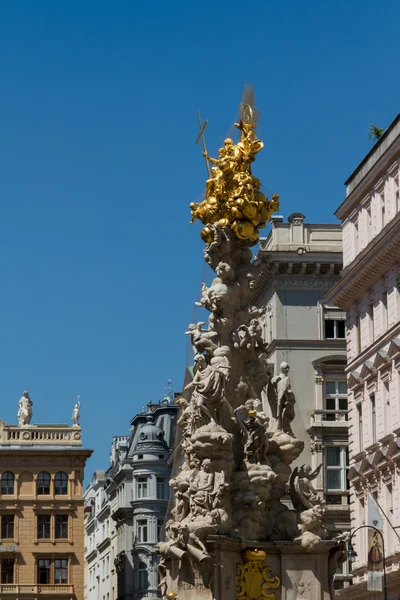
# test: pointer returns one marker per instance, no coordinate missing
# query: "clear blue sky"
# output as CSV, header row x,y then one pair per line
x,y
98,104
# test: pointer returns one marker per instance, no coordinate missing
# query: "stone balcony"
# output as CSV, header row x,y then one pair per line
x,y
23,589
39,435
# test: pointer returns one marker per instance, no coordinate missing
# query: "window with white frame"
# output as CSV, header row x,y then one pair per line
x,y
142,530
373,415
371,322
385,320
143,579
334,324
160,488
383,208
369,223
360,426
386,405
356,239
336,467
142,487
160,523
336,400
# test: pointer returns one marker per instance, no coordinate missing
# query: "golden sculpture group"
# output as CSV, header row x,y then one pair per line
x,y
233,196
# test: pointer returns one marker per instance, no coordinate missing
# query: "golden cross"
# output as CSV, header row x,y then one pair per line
x,y
201,137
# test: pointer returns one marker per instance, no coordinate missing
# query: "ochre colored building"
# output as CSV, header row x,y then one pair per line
x,y
41,512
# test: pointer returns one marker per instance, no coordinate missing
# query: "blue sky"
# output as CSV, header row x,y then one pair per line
x,y
98,163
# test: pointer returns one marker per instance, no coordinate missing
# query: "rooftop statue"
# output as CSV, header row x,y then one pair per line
x,y
76,413
25,409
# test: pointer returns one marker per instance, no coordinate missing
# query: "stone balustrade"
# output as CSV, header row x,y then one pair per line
x,y
28,435
30,589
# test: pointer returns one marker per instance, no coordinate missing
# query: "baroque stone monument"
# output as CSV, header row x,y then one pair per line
x,y
231,534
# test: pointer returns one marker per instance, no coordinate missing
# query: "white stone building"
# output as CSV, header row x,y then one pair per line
x,y
302,262
369,291
129,504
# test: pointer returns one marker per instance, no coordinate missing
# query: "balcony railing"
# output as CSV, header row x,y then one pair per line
x,y
326,418
15,435
29,589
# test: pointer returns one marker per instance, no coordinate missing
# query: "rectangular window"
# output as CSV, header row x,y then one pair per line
x,y
396,193
142,487
142,530
336,400
61,570
360,427
43,527
159,528
337,463
7,570
358,332
61,527
373,416
7,527
356,238
334,329
385,320
383,209
43,570
371,322
386,404
369,223
160,488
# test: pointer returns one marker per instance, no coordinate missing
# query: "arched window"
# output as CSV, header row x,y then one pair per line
x,y
61,484
7,483
43,483
143,577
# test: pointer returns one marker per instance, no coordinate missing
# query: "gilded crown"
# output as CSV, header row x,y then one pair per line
x,y
254,555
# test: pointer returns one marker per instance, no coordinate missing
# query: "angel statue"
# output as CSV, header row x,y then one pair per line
x,y
301,490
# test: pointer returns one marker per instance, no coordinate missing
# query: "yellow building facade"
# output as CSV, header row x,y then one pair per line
x,y
41,512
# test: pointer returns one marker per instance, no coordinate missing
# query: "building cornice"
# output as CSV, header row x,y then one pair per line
x,y
300,274
279,344
373,262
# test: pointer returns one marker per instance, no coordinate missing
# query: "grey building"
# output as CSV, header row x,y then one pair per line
x,y
136,493
302,262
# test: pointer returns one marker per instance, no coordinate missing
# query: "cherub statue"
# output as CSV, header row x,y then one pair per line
x,y
311,526
200,339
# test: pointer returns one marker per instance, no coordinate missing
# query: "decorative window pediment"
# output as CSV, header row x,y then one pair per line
x,y
381,360
365,465
394,347
379,456
394,448
354,379
367,370
354,471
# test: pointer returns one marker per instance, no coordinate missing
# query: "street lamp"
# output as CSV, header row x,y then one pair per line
x,y
353,554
